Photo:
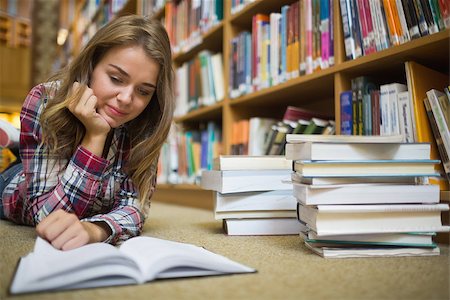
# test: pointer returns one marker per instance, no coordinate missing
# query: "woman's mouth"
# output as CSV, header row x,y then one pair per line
x,y
115,111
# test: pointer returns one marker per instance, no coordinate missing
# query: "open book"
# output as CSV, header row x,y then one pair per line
x,y
138,260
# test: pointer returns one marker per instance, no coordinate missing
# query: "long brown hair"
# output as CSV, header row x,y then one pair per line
x,y
63,132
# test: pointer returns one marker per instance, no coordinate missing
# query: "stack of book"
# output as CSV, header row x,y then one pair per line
x,y
362,196
252,196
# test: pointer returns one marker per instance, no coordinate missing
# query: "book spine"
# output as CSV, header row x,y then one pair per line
x,y
375,101
325,33
349,42
405,117
390,18
356,29
346,113
423,26
411,19
309,37
444,6
402,18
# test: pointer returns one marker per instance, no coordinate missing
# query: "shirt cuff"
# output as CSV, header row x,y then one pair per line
x,y
88,162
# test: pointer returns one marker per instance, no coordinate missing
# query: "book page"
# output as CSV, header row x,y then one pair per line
x,y
167,259
48,268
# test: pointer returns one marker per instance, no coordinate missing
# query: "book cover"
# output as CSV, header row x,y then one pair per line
x,y
345,168
365,193
255,201
336,252
368,219
247,162
245,181
262,226
301,138
356,151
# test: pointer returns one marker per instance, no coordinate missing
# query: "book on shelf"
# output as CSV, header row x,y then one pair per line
x,y
245,181
333,252
404,239
136,261
347,168
405,116
420,80
444,154
258,130
346,113
255,201
365,193
373,218
356,151
247,162
269,226
301,138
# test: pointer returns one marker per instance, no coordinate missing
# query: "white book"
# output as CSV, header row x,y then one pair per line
x,y
385,111
369,193
255,214
393,90
367,219
258,131
356,151
255,201
245,181
301,138
217,70
272,226
274,48
182,105
328,252
347,168
136,261
405,117
320,181
404,238
248,162
438,114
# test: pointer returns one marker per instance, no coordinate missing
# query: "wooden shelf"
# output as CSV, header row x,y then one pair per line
x,y
209,41
319,91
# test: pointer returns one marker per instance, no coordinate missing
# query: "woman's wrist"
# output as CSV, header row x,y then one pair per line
x,y
98,231
94,144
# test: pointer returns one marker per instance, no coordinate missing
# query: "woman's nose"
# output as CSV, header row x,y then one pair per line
x,y
125,95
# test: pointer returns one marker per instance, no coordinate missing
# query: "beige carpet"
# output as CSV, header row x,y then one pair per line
x,y
286,269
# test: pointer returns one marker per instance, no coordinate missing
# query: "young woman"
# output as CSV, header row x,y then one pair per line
x,y
90,139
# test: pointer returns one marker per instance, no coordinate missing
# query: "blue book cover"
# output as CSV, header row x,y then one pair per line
x,y
346,113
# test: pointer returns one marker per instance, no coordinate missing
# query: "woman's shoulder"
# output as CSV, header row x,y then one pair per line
x,y
40,93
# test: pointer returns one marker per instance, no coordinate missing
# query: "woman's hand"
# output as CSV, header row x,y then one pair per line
x,y
97,128
85,111
65,231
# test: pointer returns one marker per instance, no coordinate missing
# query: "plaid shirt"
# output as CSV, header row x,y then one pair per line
x,y
92,187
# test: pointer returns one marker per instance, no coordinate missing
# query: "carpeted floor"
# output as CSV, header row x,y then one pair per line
x,y
286,269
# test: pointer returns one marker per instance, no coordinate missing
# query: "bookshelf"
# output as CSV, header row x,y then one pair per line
x,y
15,53
319,91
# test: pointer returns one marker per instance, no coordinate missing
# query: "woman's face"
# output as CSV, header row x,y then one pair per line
x,y
123,81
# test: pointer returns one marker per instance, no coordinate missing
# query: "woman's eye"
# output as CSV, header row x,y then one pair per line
x,y
115,79
144,92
